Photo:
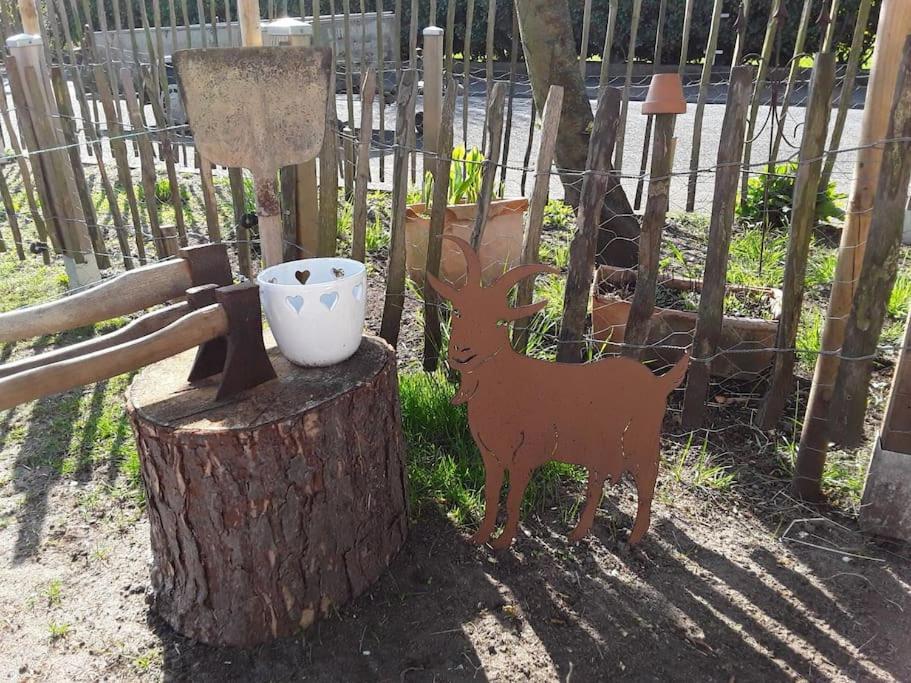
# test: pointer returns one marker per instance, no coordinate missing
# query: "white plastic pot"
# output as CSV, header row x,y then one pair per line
x,y
321,322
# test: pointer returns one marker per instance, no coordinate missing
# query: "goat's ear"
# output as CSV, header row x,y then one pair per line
x,y
524,311
444,290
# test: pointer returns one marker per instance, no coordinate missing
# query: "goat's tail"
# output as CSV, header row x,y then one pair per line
x,y
673,377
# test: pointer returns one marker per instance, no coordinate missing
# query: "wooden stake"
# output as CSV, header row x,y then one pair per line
x,y
714,278
659,181
704,83
894,26
656,62
395,277
877,278
792,80
359,220
438,208
534,218
513,63
624,107
586,27
604,78
491,159
466,70
582,248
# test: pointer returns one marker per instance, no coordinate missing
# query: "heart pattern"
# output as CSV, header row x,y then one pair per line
x,y
295,302
329,299
358,292
302,276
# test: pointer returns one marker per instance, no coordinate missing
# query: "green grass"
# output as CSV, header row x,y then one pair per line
x,y
757,259
699,469
900,299
58,629
54,592
445,470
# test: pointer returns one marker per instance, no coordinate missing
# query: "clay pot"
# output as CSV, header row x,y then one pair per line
x,y
744,343
665,95
501,245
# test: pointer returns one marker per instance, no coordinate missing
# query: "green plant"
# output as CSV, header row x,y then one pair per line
x,y
464,178
770,196
54,592
703,473
757,259
163,192
558,215
900,298
58,630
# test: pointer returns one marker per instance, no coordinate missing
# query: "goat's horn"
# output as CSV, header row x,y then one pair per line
x,y
442,288
524,311
512,277
473,263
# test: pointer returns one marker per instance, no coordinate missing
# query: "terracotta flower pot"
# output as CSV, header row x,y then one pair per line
x,y
744,345
665,95
501,245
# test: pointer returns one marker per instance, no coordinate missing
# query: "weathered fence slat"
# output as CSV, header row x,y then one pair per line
x,y
491,159
624,107
438,208
395,275
534,218
586,27
584,243
646,141
799,42
604,77
704,83
803,219
714,278
466,69
359,220
659,182
880,269
210,201
513,64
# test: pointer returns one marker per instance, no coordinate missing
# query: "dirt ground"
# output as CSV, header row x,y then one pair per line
x,y
743,584
750,586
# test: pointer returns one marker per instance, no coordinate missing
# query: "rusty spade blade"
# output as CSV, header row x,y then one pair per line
x,y
259,108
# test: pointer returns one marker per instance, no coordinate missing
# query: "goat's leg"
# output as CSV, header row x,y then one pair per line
x,y
518,480
493,481
592,500
646,476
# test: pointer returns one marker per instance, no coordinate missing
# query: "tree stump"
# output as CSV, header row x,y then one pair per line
x,y
269,509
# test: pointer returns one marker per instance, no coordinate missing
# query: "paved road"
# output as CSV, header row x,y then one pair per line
x,y
635,131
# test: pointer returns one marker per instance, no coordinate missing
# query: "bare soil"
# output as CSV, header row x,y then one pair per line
x,y
737,584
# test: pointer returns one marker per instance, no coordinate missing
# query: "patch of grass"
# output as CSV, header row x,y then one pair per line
x,y
556,253
821,267
558,215
757,259
809,338
702,472
58,630
146,660
444,466
54,592
900,299
843,478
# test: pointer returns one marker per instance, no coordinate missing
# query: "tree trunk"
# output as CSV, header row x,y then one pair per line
x,y
551,59
269,510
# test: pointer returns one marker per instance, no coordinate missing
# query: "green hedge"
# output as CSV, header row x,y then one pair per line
x,y
647,26
645,47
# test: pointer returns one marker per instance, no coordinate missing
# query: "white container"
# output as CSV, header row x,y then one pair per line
x,y
321,322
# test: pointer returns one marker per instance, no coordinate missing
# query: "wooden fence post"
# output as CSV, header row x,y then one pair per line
x,y
395,277
656,63
489,166
803,220
584,243
359,216
659,181
433,93
534,218
894,26
586,27
604,77
28,59
878,275
704,82
624,107
714,278
847,88
775,16
438,209
799,41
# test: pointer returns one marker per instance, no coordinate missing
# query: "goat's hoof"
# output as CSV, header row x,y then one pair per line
x,y
479,537
577,535
501,542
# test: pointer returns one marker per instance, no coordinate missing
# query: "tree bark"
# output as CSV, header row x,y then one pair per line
x,y
550,55
269,510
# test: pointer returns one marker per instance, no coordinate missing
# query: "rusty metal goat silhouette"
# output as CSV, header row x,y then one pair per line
x,y
524,412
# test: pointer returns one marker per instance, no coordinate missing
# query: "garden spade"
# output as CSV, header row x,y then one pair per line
x,y
259,108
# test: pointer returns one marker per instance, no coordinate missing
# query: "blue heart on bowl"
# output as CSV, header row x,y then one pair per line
x,y
329,299
295,302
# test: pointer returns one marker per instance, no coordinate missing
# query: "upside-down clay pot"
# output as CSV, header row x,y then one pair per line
x,y
321,322
501,243
665,95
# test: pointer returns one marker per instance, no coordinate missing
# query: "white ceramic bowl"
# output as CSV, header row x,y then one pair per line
x,y
321,322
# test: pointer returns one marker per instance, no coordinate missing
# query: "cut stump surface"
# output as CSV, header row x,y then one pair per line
x,y
268,509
